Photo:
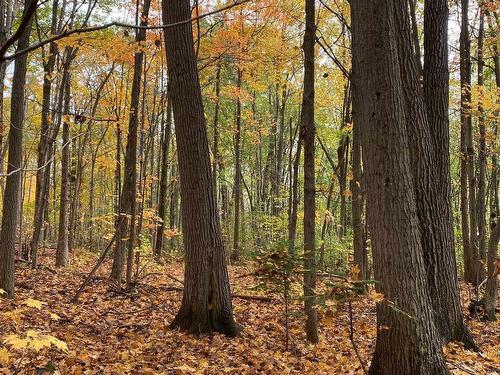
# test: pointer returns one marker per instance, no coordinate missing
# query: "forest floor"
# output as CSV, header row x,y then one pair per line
x,y
127,333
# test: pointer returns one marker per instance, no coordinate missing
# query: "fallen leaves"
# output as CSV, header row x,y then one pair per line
x,y
128,333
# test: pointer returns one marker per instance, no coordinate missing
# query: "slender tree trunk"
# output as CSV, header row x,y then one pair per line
x,y
407,340
360,253
125,225
482,153
237,176
215,151
162,200
294,199
44,146
62,251
308,130
465,161
11,197
206,302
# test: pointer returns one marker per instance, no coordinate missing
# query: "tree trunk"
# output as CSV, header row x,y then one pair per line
x,y
11,198
62,252
308,130
407,340
466,124
162,199
482,153
44,146
431,166
294,199
360,253
206,302
126,227
237,175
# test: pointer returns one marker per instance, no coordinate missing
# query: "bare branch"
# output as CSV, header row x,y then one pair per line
x,y
68,32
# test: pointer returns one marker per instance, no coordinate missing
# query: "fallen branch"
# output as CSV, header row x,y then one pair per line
x,y
94,270
240,296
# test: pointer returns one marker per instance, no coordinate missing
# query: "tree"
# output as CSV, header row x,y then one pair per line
x,y
126,222
12,197
308,135
467,177
431,166
406,340
62,251
206,301
162,197
237,175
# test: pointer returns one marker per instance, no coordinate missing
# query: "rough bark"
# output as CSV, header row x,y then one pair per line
x,y
407,340
431,165
11,197
206,302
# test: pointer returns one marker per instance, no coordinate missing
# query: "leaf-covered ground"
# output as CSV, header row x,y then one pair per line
x,y
128,333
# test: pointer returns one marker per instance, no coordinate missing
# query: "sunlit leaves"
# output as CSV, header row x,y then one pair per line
x,y
34,303
34,340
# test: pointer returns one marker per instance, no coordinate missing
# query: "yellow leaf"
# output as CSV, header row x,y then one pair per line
x,y
4,356
34,303
377,297
58,343
54,316
16,342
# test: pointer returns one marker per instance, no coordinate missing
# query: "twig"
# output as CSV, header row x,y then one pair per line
x,y
175,279
351,337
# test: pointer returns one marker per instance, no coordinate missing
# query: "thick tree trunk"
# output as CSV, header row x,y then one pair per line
x,y
431,163
206,302
62,251
308,130
12,198
407,340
